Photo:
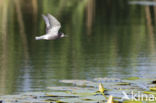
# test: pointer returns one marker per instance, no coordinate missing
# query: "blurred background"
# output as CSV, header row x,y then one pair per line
x,y
106,38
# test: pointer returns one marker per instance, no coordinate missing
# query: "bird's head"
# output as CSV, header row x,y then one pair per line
x,y
62,35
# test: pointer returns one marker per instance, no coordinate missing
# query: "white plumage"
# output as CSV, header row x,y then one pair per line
x,y
52,28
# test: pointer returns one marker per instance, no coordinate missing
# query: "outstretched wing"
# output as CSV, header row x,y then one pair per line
x,y
54,24
46,22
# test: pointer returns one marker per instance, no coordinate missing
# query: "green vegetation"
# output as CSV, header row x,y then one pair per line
x,y
88,93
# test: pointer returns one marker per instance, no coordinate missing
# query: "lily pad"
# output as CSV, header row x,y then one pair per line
x,y
153,89
83,83
107,80
124,83
132,78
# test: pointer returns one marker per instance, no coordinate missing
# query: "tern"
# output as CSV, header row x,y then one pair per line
x,y
52,29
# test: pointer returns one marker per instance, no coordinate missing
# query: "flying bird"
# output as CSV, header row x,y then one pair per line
x,y
52,29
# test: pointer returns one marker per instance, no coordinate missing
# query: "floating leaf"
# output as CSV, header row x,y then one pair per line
x,y
87,99
83,83
60,101
50,95
108,79
147,92
153,89
61,95
50,100
124,83
133,78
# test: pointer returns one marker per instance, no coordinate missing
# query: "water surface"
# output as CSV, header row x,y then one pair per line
x,y
117,43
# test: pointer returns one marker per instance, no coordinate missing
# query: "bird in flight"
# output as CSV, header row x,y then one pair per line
x,y
52,29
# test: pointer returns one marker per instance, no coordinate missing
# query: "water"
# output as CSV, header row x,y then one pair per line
x,y
118,45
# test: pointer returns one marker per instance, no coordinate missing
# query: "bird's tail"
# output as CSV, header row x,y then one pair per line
x,y
38,38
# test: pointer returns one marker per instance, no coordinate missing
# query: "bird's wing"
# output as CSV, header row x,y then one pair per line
x,y
46,22
54,24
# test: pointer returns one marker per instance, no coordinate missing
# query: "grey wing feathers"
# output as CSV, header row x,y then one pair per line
x,y
46,22
53,22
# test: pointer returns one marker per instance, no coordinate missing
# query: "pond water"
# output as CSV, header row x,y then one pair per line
x,y
116,42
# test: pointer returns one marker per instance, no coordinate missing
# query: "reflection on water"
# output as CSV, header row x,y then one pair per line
x,y
120,43
151,3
